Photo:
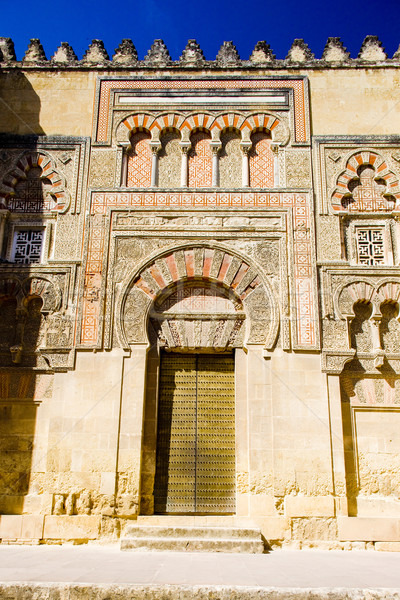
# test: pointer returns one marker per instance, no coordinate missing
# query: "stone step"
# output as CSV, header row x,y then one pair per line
x,y
193,539
193,532
174,544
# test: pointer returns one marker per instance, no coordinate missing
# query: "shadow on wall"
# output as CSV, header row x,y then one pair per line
x,y
19,105
22,323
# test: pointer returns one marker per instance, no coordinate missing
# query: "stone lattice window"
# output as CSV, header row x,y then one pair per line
x,y
139,161
200,160
261,161
371,245
28,245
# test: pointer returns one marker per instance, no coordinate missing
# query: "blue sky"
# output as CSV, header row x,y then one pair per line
x,y
211,22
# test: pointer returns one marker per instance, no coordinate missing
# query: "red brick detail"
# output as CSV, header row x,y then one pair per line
x,y
172,266
157,276
261,161
250,288
208,258
189,260
239,275
367,196
224,266
143,286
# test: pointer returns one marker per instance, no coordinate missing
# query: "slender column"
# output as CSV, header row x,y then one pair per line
x,y
275,150
125,147
215,148
185,147
155,147
245,147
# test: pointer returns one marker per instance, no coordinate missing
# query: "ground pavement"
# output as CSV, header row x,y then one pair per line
x,y
105,573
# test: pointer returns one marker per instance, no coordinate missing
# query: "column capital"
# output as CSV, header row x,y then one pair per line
x,y
275,147
155,147
185,147
245,147
215,147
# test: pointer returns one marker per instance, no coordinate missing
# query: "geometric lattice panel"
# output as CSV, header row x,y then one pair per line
x,y
139,161
371,246
28,245
261,160
200,160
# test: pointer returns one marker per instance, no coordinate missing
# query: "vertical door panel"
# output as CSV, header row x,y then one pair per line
x,y
195,471
176,439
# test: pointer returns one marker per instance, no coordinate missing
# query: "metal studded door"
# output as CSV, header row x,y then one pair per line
x,y
195,470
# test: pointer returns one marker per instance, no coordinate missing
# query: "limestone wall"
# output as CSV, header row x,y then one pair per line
x,y
297,277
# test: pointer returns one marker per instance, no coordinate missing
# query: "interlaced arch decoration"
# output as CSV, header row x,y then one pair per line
x,y
342,194
363,290
246,124
221,271
49,173
29,288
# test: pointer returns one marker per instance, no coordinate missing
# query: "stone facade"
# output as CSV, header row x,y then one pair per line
x,y
247,207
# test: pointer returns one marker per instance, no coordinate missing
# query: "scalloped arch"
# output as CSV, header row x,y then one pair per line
x,y
41,159
389,292
166,121
357,160
225,121
350,293
132,123
41,287
362,290
196,121
272,123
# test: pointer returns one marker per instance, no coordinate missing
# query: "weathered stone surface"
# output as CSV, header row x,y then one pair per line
x,y
125,54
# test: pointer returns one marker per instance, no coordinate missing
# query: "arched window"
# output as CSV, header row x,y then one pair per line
x,y
368,192
32,194
139,161
261,161
230,160
200,160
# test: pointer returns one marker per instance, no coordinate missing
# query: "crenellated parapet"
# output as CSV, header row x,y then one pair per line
x,y
300,55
